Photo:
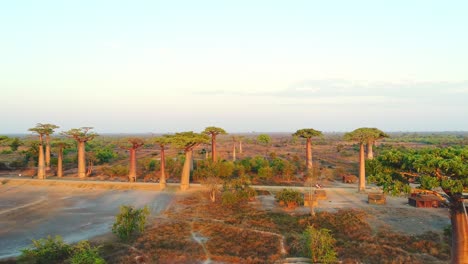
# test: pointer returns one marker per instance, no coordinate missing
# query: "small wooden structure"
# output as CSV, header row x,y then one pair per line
x,y
350,178
424,200
320,194
376,198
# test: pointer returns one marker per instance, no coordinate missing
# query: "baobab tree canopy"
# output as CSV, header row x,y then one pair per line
x,y
212,130
364,134
188,140
162,141
307,133
131,143
82,134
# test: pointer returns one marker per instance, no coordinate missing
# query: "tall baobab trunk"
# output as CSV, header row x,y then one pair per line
x,y
47,153
185,179
240,147
41,164
162,179
213,148
234,152
362,169
370,152
191,160
459,234
81,160
132,169
309,154
60,163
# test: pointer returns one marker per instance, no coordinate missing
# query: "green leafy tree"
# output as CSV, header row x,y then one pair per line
x,y
105,155
308,134
130,221
264,139
213,132
15,144
236,191
187,141
320,245
290,197
81,136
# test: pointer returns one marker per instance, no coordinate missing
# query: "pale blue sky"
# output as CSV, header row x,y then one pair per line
x,y
167,66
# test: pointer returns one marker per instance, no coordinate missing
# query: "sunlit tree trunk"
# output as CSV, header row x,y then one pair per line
x,y
132,170
41,163
362,169
240,147
60,163
213,148
309,154
162,180
234,152
370,152
81,160
47,153
185,179
459,234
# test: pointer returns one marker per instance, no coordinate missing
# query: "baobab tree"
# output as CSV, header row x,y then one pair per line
x,y
81,136
362,136
41,131
49,130
60,145
378,134
162,142
132,145
235,139
187,141
308,134
213,132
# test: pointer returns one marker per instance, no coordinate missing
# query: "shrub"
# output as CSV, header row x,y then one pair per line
x,y
84,253
289,196
265,172
237,190
129,221
319,245
46,251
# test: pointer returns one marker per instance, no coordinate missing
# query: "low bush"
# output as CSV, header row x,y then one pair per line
x,y
48,250
130,221
289,196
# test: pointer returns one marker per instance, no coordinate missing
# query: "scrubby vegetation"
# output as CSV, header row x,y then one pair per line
x,y
129,222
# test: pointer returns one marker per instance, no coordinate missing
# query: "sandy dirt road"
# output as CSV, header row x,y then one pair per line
x,y
33,212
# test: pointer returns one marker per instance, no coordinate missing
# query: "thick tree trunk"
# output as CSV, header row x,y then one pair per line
x,y
309,154
362,169
240,147
41,163
234,152
162,179
47,153
185,179
459,234
132,168
370,152
81,160
60,163
213,148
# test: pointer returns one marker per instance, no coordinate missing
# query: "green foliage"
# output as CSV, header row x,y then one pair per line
x,y
207,168
115,171
84,253
365,135
428,182
105,155
188,140
6,151
319,245
15,143
264,139
46,251
212,130
307,133
236,191
290,196
265,172
130,221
